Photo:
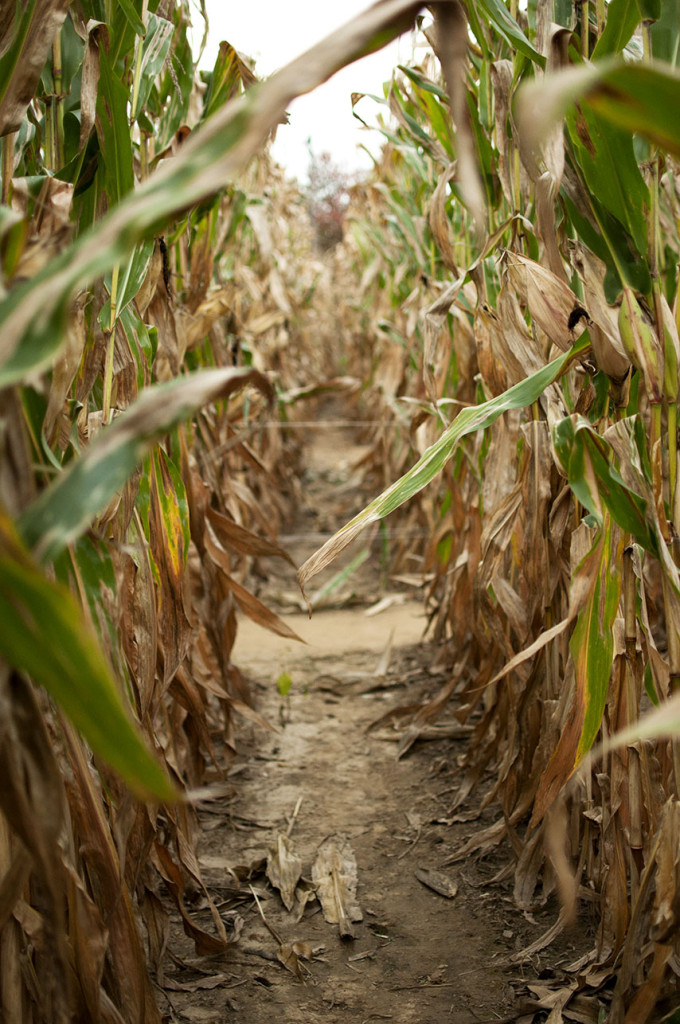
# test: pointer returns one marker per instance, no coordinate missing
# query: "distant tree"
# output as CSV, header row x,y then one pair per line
x,y
327,195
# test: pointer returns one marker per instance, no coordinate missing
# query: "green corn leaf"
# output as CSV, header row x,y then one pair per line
x,y
154,55
45,636
622,20
409,121
176,89
143,342
650,10
587,459
435,108
68,506
468,421
481,31
424,83
666,33
608,165
592,649
563,12
116,163
169,542
229,76
130,280
621,254
91,565
133,18
592,642
507,27
641,98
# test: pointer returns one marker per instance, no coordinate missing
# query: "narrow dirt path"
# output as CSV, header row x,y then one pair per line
x,y
418,956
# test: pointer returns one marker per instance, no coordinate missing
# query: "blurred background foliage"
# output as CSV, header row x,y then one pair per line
x,y
508,283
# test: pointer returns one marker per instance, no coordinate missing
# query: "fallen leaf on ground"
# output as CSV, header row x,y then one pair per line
x,y
334,874
201,1014
290,955
302,898
384,603
367,954
284,868
250,865
200,983
437,881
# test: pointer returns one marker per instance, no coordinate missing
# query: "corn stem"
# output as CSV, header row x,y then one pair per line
x,y
138,64
108,366
7,166
672,413
58,104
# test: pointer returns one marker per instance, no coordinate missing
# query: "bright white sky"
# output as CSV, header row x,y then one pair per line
x,y
274,32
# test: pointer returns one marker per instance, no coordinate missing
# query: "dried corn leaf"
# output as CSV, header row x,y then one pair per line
x,y
205,943
551,302
284,868
437,881
248,543
290,954
33,28
302,898
252,863
334,874
451,45
209,982
424,715
247,602
606,340
440,222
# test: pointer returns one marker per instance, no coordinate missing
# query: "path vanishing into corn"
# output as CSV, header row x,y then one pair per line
x,y
326,780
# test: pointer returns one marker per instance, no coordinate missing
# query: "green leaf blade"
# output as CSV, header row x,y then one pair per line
x,y
45,636
437,455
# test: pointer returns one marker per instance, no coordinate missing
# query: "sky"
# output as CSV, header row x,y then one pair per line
x,y
274,33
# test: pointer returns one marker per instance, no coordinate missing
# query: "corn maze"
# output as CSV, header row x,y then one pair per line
x,y
505,297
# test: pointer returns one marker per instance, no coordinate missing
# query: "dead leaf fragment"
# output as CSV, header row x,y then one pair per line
x,y
251,863
302,898
290,958
334,874
39,28
437,881
284,868
209,982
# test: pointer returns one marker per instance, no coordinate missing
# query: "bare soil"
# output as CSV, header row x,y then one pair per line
x,y
418,957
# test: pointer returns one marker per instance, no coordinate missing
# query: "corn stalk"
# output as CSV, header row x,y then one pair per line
x,y
552,490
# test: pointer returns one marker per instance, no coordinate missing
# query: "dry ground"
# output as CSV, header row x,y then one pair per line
x,y
418,957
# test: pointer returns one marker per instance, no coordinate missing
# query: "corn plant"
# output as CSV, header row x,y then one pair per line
x,y
529,189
